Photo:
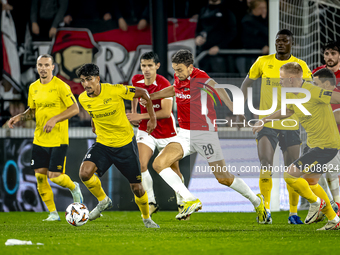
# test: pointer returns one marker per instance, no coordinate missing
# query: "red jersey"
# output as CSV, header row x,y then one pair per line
x,y
192,100
165,127
336,107
337,74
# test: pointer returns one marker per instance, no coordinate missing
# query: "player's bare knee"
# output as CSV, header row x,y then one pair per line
x,y
225,181
137,189
84,174
143,167
266,162
158,165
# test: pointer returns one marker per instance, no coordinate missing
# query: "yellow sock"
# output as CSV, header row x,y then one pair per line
x,y
45,191
293,200
266,184
64,181
95,187
300,186
143,205
328,210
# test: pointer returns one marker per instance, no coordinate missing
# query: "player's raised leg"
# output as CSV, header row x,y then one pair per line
x,y
170,154
179,198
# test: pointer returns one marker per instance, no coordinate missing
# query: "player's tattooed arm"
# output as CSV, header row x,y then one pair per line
x,y
29,114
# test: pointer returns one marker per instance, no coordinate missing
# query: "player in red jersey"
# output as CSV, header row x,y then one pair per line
x,y
331,55
325,78
196,115
166,126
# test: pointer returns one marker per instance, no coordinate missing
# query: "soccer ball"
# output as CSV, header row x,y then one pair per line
x,y
77,214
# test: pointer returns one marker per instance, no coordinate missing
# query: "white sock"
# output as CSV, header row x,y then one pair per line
x,y
241,187
336,218
173,180
323,183
336,198
317,202
147,183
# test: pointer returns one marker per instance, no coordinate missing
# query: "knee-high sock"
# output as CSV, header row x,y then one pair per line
x,y
95,187
45,191
293,200
173,180
301,186
65,181
143,205
266,185
323,183
328,210
241,187
147,183
333,183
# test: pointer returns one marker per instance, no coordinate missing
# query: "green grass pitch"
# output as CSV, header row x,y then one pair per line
x,y
205,233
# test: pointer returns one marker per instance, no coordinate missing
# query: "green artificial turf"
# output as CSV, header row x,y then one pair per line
x,y
204,233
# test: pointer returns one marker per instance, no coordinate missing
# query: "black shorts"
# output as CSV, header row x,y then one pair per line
x,y
125,158
53,158
285,138
315,160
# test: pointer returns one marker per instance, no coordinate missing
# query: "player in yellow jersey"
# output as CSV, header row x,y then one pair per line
x,y
52,103
322,138
115,143
288,136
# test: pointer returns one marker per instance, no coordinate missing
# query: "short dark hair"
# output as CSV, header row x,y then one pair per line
x,y
88,70
150,56
46,56
285,32
332,45
324,75
183,57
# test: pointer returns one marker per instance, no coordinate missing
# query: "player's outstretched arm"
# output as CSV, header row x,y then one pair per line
x,y
26,115
274,116
68,113
335,98
223,95
167,92
247,82
163,113
152,123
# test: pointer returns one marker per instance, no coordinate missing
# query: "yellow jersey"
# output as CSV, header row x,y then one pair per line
x,y
268,68
49,100
320,126
107,110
